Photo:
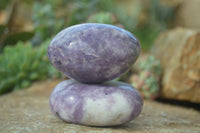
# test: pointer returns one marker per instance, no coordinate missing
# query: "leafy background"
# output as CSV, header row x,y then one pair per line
x,y
30,25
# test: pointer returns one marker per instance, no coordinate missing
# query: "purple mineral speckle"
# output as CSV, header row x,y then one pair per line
x,y
68,101
93,53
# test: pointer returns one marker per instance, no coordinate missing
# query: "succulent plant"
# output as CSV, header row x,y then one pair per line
x,y
148,77
22,64
145,76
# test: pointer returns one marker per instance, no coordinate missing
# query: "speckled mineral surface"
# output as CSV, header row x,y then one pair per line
x,y
107,104
93,53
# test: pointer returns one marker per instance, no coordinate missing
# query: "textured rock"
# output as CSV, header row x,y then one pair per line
x,y
107,104
179,53
93,53
27,111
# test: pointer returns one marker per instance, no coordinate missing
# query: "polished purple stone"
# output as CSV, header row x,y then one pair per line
x,y
93,53
107,104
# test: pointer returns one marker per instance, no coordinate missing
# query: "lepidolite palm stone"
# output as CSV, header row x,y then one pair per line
x,y
107,104
93,53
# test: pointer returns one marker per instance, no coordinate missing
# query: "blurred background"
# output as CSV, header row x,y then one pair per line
x,y
168,69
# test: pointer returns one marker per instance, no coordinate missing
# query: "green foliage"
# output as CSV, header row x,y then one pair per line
x,y
13,38
159,19
81,10
160,15
51,16
129,21
2,29
149,63
4,3
22,64
146,35
45,21
102,17
147,77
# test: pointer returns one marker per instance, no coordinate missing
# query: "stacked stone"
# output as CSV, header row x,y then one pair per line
x,y
92,55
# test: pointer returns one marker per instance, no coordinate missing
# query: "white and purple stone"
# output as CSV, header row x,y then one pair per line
x,y
106,104
93,53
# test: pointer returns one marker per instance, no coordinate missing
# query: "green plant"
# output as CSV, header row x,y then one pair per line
x,y
147,36
46,23
22,64
102,17
145,76
147,79
160,15
83,9
4,3
159,18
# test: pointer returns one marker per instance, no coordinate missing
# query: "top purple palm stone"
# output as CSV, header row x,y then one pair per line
x,y
93,53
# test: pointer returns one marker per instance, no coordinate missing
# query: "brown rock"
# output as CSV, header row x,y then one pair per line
x,y
179,53
28,111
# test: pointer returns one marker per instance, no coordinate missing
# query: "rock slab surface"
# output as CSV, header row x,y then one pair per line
x,y
179,53
28,111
